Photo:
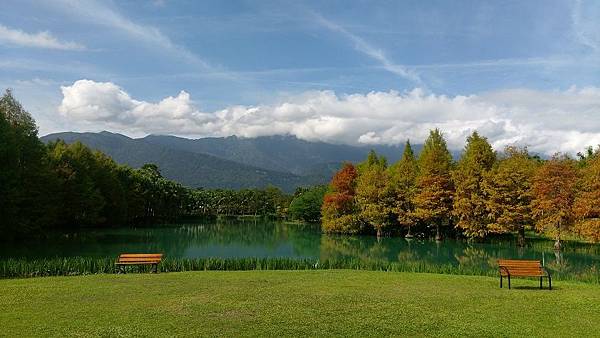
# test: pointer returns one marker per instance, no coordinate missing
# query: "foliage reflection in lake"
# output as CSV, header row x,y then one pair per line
x,y
259,238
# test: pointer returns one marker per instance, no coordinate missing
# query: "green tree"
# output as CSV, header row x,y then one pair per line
x,y
82,201
26,184
470,207
374,197
306,206
433,200
403,176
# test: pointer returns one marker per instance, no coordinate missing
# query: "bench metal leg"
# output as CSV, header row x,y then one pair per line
x,y
500,281
509,282
549,282
541,281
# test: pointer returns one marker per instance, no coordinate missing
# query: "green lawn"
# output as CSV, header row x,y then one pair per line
x,y
273,303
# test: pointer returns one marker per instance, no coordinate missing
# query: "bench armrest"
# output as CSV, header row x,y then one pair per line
x,y
545,270
500,267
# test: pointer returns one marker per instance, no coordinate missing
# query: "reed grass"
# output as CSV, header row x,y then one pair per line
x,y
72,266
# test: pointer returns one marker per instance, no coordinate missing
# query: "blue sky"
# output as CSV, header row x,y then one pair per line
x,y
261,67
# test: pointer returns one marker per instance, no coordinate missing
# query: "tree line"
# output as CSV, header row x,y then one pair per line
x,y
483,193
44,187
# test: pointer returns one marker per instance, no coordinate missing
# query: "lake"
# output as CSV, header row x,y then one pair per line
x,y
259,238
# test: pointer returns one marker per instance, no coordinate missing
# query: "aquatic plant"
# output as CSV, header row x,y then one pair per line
x,y
71,266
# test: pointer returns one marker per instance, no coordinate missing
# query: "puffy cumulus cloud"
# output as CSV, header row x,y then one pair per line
x,y
546,121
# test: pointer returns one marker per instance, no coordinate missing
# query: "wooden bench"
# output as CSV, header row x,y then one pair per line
x,y
139,259
523,268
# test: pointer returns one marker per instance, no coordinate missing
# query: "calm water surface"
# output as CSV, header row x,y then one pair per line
x,y
273,239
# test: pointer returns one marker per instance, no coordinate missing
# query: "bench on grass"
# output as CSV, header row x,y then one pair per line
x,y
523,268
139,259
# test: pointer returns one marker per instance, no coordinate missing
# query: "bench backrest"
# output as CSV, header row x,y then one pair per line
x,y
520,266
131,258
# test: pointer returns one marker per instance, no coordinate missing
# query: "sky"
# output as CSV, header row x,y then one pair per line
x,y
356,72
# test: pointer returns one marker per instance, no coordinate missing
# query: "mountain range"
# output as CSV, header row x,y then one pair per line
x,y
231,162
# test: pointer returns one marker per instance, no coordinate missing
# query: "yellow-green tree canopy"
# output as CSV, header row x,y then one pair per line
x,y
433,200
403,176
507,188
470,207
373,194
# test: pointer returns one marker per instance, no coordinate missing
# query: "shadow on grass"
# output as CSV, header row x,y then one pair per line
x,y
531,287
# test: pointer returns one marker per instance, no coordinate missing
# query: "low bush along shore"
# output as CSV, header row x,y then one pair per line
x,y
294,303
72,266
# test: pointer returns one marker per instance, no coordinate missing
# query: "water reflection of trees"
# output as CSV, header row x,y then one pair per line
x,y
297,240
575,260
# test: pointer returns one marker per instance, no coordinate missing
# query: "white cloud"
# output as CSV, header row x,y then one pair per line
x,y
44,39
546,121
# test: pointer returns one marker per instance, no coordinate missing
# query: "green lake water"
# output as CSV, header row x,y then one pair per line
x,y
273,239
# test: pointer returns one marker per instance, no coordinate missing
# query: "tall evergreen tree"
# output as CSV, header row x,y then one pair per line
x,y
507,188
553,195
469,200
403,176
26,186
373,195
433,200
586,207
339,207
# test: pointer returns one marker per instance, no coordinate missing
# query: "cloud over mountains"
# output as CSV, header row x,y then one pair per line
x,y
516,116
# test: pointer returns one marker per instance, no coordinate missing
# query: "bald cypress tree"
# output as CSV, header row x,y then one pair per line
x,y
507,188
403,176
433,200
586,207
553,189
373,194
470,199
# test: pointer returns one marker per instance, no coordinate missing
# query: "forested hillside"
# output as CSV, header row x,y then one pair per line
x,y
231,162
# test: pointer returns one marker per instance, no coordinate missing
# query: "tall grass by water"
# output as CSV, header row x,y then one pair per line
x,y
72,266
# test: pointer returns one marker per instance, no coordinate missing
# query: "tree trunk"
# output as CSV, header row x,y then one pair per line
x,y
557,244
438,235
409,234
521,240
378,233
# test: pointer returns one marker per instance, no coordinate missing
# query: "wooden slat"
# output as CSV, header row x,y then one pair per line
x,y
139,259
135,263
520,268
140,255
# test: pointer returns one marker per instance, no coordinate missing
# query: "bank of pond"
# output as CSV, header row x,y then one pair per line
x,y
271,245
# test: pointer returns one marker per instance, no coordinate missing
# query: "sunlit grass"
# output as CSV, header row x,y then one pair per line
x,y
294,303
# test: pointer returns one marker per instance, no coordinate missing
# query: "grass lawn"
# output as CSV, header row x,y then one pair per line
x,y
273,303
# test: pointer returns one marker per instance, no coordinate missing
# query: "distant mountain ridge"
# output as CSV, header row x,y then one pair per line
x,y
231,162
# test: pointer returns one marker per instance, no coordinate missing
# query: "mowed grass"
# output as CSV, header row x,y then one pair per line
x,y
293,303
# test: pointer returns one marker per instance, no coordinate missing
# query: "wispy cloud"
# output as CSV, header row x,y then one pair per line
x,y
100,14
43,39
585,25
368,49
